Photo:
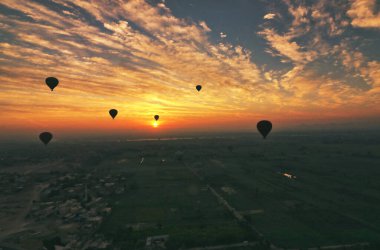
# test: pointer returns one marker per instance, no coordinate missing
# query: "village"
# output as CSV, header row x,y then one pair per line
x,y
74,205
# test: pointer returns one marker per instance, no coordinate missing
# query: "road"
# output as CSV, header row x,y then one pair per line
x,y
242,244
238,216
17,223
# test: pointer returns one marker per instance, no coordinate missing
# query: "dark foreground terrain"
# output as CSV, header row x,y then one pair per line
x,y
291,191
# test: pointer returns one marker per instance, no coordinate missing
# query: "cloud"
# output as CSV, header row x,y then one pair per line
x,y
305,43
327,21
362,13
269,16
285,45
352,59
204,26
371,71
299,14
142,59
100,63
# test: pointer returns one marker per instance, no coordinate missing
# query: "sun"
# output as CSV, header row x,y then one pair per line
x,y
155,124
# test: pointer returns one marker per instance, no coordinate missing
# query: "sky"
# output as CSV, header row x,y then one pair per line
x,y
296,63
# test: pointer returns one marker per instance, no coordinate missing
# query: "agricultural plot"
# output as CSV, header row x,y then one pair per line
x,y
294,191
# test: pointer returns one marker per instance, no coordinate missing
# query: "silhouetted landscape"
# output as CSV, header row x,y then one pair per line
x,y
240,192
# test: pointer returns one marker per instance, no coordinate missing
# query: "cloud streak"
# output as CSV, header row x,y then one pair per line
x,y
362,13
142,59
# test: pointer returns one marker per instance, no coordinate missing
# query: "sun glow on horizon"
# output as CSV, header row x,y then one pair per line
x,y
309,71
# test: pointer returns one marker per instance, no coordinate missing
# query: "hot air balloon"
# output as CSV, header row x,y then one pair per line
x,y
52,82
198,87
113,113
156,117
46,137
264,127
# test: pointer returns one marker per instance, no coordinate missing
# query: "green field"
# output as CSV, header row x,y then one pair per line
x,y
167,199
334,199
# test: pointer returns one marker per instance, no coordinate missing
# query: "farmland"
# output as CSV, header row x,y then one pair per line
x,y
292,191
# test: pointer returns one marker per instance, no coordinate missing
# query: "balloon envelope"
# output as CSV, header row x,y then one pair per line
x,y
52,82
264,127
198,87
113,113
46,137
156,117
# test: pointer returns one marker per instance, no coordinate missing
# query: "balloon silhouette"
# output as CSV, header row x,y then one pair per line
x,y
46,137
113,113
156,117
52,82
264,127
198,87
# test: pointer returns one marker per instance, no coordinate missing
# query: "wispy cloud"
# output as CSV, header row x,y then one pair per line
x,y
363,14
163,58
286,47
269,16
305,43
141,58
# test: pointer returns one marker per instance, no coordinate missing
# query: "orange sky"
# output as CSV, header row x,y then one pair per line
x,y
108,63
